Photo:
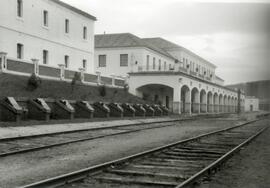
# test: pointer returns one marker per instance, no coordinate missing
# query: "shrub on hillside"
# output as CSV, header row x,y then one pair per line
x,y
102,90
33,82
126,88
76,79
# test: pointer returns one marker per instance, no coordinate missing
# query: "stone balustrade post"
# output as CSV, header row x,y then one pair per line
x,y
82,71
62,71
113,80
98,77
3,61
36,66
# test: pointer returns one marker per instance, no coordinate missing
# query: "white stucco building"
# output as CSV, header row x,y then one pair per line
x,y
251,104
120,54
165,73
48,30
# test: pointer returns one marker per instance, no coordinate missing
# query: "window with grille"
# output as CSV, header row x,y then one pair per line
x,y
85,33
66,26
147,62
66,61
45,18
102,60
154,63
19,8
19,51
84,64
45,57
123,60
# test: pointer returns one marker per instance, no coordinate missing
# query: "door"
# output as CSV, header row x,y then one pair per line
x,y
167,102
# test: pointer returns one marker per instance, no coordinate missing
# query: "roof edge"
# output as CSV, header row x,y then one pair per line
x,y
74,9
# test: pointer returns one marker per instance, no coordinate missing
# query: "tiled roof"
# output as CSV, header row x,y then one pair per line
x,y
74,9
219,78
167,46
125,40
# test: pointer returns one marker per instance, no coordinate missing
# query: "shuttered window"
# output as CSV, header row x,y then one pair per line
x,y
102,60
123,60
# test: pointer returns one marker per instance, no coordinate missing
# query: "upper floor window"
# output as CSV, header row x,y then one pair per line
x,y
19,51
123,60
84,64
147,62
102,60
19,8
66,61
84,33
154,63
159,64
66,26
45,56
165,65
45,18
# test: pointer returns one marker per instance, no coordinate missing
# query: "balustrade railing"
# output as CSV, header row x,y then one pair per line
x,y
175,68
44,71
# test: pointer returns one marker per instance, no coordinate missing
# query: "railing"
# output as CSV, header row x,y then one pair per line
x,y
176,68
57,73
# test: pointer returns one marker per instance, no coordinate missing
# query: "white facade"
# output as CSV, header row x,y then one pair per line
x,y
137,60
185,94
251,104
29,30
193,62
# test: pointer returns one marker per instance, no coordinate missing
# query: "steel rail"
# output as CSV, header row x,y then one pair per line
x,y
219,161
85,139
83,173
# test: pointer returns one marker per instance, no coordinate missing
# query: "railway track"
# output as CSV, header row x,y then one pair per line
x,y
175,165
17,145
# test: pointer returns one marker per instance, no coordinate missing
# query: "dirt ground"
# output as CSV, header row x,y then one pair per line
x,y
250,168
35,166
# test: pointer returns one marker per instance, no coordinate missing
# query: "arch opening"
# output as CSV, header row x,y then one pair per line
x,y
195,100
203,100
185,99
209,102
157,94
216,103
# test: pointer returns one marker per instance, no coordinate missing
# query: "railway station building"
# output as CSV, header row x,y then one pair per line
x,y
48,30
165,73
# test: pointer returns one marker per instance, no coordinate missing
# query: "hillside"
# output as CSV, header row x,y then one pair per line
x,y
16,86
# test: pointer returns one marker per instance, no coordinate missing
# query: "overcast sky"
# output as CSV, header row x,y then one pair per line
x,y
234,36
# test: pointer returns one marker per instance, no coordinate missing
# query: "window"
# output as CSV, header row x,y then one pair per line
x,y
84,64
154,63
85,33
19,51
45,18
66,26
66,61
159,64
165,65
147,62
123,60
19,8
45,57
102,60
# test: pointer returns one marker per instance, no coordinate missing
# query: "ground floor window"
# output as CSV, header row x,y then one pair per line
x,y
84,64
102,61
66,61
45,57
123,60
19,51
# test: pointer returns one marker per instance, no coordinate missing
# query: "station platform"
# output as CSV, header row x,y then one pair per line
x,y
30,130
20,131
